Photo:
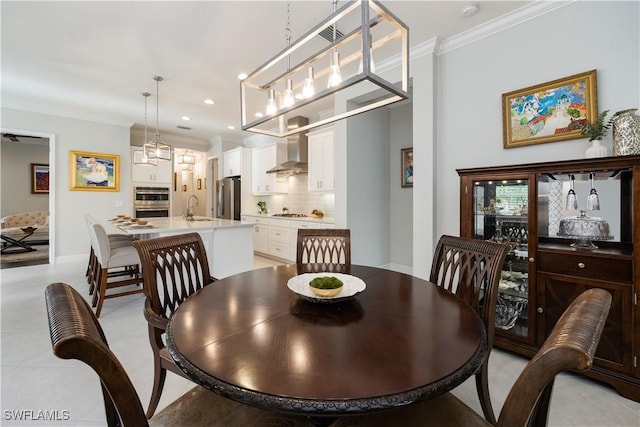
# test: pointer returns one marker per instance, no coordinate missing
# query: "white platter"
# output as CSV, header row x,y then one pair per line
x,y
351,286
141,226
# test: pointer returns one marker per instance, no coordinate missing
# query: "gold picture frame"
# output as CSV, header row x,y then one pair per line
x,y
549,112
406,167
94,171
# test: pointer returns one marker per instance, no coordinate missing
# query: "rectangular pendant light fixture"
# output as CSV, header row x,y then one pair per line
x,y
341,58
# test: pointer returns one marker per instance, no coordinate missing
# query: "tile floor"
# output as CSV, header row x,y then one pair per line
x,y
33,379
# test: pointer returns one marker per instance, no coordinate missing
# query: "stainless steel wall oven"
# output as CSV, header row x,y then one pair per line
x,y
151,202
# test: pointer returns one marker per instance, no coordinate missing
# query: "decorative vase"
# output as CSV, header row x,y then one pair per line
x,y
596,149
626,133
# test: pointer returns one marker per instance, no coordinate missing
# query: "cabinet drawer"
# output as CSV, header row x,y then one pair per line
x,y
588,266
279,249
279,234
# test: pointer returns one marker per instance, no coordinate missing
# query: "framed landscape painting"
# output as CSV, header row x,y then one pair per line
x,y
549,112
39,178
94,171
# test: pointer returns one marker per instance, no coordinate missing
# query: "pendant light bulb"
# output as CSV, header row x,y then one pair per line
x,y
308,90
372,65
335,77
288,99
272,108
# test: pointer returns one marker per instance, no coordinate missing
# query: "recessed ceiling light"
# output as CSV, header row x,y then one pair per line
x,y
231,127
242,76
209,101
259,114
187,118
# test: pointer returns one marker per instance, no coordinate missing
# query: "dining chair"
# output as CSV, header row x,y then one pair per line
x,y
113,261
324,249
471,269
570,346
173,268
93,266
76,334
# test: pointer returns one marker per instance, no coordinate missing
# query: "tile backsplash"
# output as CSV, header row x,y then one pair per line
x,y
297,200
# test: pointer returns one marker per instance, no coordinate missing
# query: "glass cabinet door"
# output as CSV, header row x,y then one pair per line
x,y
500,214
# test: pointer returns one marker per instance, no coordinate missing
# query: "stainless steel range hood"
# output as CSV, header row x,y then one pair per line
x,y
297,150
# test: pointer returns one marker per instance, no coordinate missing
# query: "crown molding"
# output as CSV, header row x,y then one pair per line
x,y
504,22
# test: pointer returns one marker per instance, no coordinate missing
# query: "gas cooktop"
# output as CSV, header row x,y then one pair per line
x,y
290,215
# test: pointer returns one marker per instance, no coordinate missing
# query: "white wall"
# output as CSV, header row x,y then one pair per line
x,y
15,167
367,194
71,206
400,198
576,38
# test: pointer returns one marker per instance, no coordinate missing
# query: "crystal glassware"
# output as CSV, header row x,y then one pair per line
x,y
572,198
593,201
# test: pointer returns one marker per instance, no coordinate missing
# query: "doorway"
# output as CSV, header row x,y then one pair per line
x,y
26,153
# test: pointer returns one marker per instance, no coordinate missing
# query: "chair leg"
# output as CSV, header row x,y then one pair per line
x,y
482,385
102,290
159,375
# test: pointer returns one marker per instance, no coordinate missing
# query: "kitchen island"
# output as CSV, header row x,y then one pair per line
x,y
229,244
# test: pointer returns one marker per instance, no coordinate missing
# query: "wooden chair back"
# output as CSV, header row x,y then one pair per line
x,y
327,247
76,334
570,346
470,269
173,268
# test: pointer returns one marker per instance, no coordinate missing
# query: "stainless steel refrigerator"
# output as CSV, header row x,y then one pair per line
x,y
228,192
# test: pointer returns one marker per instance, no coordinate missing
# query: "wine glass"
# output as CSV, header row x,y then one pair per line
x,y
593,201
572,199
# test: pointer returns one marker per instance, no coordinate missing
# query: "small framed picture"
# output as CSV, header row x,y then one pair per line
x,y
406,167
94,171
549,112
199,183
39,178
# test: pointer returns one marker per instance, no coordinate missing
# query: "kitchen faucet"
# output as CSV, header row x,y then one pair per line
x,y
189,214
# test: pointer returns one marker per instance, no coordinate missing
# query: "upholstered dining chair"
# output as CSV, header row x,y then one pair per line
x,y
174,268
570,346
114,261
471,269
325,249
77,334
93,266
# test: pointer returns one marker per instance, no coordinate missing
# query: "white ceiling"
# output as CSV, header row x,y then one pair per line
x,y
90,60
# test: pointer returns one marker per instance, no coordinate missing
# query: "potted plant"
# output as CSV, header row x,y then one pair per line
x,y
596,132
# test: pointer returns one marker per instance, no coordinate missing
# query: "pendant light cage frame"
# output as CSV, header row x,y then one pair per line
x,y
365,31
186,158
156,148
139,154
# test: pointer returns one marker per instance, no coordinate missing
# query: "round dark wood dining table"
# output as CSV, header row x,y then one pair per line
x,y
252,339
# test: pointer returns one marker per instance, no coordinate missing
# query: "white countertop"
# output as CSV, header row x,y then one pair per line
x,y
324,219
178,224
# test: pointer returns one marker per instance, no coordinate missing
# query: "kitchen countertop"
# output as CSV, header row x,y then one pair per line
x,y
324,219
178,224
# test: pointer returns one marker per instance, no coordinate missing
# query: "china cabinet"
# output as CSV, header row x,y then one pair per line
x,y
570,227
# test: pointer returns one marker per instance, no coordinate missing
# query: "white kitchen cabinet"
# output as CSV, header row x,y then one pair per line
x,y
321,160
149,174
232,161
279,241
260,232
263,159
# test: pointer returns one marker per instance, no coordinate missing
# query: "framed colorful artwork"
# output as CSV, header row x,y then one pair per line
x,y
549,112
94,171
39,178
406,167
